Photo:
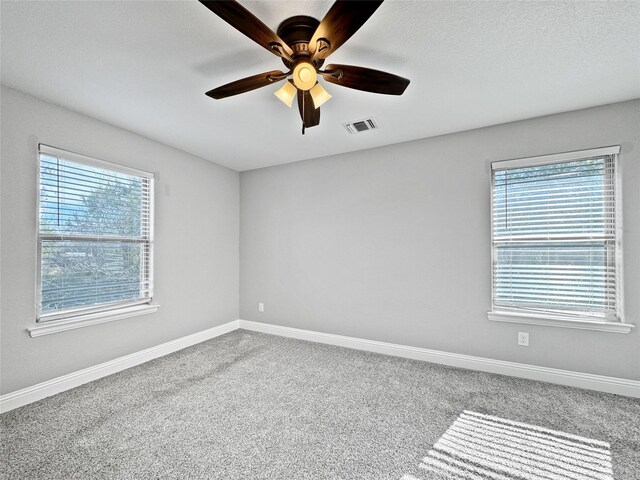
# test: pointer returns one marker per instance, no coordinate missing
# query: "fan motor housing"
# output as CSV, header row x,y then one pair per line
x,y
296,32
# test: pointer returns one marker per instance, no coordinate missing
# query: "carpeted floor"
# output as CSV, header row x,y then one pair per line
x,y
253,406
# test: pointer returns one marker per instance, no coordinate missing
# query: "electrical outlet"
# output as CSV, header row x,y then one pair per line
x,y
261,307
523,339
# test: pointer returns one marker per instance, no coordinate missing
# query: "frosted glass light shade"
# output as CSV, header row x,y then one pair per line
x,y
319,95
287,93
304,76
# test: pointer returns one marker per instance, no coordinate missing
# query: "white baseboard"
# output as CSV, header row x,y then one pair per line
x,y
600,383
51,387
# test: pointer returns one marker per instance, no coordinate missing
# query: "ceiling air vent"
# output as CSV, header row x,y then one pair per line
x,y
361,125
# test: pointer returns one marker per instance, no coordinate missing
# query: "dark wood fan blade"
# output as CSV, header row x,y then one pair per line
x,y
343,19
365,79
246,84
310,116
245,22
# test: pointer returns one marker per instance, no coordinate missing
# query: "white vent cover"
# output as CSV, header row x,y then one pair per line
x,y
360,126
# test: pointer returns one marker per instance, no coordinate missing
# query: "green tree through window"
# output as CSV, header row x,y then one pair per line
x,y
94,237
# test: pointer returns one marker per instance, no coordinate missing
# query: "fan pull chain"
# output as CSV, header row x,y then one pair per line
x,y
303,114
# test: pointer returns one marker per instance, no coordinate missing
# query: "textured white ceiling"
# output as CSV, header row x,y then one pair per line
x,y
145,66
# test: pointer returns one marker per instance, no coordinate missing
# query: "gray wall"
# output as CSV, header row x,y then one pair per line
x,y
196,243
389,244
392,244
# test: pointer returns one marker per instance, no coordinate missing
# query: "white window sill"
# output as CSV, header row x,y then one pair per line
x,y
55,326
552,321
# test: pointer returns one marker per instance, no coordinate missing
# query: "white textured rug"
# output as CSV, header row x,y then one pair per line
x,y
482,447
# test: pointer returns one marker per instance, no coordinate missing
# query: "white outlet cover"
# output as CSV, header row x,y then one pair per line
x,y
523,339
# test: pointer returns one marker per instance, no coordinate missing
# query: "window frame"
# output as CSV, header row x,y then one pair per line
x,y
84,316
552,319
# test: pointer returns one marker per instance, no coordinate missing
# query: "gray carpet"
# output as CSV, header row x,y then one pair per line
x,y
253,406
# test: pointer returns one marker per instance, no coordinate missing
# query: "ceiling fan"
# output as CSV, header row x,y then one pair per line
x,y
303,43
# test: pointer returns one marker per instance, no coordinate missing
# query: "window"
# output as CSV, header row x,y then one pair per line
x,y
556,247
95,237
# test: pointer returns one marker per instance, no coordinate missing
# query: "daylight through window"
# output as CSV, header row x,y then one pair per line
x,y
95,235
555,237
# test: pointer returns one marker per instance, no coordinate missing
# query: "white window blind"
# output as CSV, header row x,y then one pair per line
x,y
554,235
95,235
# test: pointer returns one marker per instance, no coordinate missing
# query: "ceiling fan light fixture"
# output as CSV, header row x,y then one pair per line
x,y
287,93
303,43
319,95
304,76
